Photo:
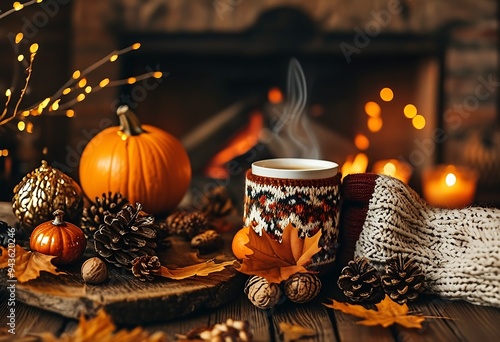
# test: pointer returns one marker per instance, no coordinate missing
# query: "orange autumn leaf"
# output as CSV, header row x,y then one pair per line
x,y
388,313
26,265
294,332
277,261
101,328
201,269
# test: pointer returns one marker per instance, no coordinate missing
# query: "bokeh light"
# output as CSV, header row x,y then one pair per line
x,y
386,94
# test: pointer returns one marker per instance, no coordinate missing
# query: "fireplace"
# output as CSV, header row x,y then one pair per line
x,y
226,65
232,76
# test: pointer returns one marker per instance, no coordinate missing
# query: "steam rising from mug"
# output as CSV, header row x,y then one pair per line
x,y
292,134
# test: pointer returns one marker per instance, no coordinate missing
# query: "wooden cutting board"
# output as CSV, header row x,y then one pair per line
x,y
128,300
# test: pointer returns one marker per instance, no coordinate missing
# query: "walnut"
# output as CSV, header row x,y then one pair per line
x,y
94,271
262,294
302,287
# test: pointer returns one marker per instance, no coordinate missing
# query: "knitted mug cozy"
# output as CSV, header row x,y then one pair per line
x,y
309,204
458,250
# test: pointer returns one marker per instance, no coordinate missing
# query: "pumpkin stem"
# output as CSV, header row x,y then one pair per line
x,y
129,123
58,218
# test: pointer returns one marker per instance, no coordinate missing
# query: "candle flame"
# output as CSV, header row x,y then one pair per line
x,y
451,179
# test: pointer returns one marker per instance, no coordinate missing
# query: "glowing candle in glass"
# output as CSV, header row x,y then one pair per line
x,y
449,186
394,168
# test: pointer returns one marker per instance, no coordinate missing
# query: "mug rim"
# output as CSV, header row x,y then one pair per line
x,y
315,168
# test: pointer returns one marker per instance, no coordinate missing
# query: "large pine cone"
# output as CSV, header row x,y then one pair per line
x,y
187,224
403,279
126,236
360,282
93,216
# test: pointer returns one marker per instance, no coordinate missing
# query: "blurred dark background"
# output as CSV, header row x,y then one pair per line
x,y
225,68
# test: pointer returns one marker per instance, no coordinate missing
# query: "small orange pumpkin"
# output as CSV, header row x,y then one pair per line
x,y
142,162
62,239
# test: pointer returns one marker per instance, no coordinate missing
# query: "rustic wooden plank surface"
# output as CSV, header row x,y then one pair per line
x,y
466,322
312,315
127,299
29,319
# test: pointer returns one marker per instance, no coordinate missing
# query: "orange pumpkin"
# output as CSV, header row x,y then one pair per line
x,y
238,244
62,239
142,162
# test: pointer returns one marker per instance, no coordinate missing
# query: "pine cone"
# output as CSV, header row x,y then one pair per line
x,y
126,236
207,242
217,203
187,224
93,216
403,279
360,282
145,267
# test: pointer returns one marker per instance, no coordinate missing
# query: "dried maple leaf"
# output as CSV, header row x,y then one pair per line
x,y
293,332
27,265
277,261
202,269
389,313
101,328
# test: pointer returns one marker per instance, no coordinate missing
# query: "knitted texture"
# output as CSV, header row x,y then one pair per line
x,y
310,205
458,250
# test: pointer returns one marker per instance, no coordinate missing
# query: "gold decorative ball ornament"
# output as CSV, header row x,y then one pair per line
x,y
43,191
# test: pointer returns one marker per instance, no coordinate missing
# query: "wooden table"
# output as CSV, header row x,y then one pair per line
x,y
466,322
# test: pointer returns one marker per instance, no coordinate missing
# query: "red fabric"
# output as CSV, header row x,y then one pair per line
x,y
357,190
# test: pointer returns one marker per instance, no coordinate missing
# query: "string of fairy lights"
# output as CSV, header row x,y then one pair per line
x,y
75,90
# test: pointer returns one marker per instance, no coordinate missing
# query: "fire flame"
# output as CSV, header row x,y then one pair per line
x,y
241,143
